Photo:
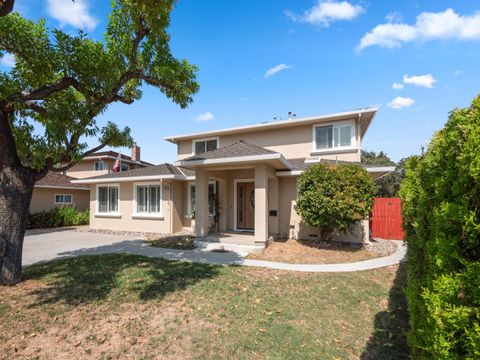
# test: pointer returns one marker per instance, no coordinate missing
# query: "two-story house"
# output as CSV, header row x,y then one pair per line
x,y
241,179
56,189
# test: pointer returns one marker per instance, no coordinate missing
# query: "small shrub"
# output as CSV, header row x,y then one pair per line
x,y
58,217
441,216
334,197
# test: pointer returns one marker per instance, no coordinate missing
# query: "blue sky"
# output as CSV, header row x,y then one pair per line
x,y
323,56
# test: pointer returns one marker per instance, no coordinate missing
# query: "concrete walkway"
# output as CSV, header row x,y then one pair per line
x,y
44,246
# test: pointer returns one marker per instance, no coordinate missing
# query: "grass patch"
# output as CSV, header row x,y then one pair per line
x,y
127,306
180,242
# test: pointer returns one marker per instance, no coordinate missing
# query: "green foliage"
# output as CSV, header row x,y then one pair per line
x,y
388,185
441,215
58,217
334,197
61,82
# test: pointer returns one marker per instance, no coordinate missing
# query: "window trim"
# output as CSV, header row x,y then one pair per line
x,y
353,136
95,165
63,202
146,215
189,197
97,202
194,141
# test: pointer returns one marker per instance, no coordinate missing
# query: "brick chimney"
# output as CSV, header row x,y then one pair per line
x,y
135,152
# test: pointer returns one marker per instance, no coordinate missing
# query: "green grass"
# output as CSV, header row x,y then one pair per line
x,y
131,306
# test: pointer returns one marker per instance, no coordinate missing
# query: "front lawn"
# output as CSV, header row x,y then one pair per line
x,y
127,306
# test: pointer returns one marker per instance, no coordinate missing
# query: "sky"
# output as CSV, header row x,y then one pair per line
x,y
414,60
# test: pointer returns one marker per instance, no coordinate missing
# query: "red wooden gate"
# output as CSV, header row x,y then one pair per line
x,y
386,219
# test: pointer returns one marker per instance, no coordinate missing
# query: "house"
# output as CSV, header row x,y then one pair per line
x,y
56,189
241,179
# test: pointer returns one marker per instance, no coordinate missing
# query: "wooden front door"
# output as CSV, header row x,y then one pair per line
x,y
245,205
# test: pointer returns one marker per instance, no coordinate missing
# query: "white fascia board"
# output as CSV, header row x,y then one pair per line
x,y
380,169
238,159
289,173
311,119
129,178
59,187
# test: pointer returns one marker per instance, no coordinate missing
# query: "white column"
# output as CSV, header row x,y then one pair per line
x,y
201,203
261,205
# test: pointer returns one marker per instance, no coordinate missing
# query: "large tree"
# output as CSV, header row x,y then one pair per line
x,y
388,185
50,100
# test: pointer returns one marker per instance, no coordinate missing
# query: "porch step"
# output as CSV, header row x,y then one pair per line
x,y
240,249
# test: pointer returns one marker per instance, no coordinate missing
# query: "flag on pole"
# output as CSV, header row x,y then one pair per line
x,y
116,167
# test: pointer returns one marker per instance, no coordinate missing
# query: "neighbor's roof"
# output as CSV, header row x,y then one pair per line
x,y
365,115
114,155
56,180
238,152
156,172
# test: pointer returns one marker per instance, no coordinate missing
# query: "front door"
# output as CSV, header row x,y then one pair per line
x,y
245,205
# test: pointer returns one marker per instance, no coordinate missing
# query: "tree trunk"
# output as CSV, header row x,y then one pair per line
x,y
16,187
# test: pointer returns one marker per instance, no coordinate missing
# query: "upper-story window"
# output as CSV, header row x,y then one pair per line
x,y
204,145
124,167
334,136
99,165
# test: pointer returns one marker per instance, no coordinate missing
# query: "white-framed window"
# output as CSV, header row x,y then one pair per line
x,y
212,191
334,136
147,199
99,165
108,199
201,146
63,199
124,167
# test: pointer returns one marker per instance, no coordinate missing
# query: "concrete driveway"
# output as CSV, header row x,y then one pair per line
x,y
47,244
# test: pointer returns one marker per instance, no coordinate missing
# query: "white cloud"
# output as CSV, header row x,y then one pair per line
x,y
421,80
7,60
397,86
401,102
428,26
205,117
272,71
458,72
74,13
394,17
327,11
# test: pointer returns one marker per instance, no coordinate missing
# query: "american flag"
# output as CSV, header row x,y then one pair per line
x,y
116,167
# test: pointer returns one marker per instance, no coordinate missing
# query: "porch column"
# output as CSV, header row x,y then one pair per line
x,y
261,205
201,203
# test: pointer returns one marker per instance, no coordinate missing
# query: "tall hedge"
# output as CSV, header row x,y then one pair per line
x,y
441,214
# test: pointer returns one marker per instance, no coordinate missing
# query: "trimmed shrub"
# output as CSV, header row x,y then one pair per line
x,y
334,197
441,216
58,217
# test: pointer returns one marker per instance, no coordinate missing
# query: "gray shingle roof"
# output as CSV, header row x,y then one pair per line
x,y
157,170
237,149
56,179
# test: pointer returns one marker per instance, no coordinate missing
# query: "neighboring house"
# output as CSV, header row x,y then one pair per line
x,y
237,179
56,189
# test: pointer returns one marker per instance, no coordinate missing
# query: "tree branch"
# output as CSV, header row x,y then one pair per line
x,y
6,7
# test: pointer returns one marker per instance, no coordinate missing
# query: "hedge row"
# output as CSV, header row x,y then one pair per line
x,y
58,217
441,214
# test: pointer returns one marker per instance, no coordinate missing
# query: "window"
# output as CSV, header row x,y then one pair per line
x,y
63,199
99,165
124,167
201,146
212,191
148,199
333,136
108,199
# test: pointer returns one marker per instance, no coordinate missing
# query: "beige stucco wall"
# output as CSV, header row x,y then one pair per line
x,y
291,225
86,168
43,199
293,142
126,221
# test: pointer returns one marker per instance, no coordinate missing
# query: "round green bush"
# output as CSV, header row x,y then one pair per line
x,y
334,197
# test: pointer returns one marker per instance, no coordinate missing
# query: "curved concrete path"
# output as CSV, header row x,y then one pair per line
x,y
48,245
